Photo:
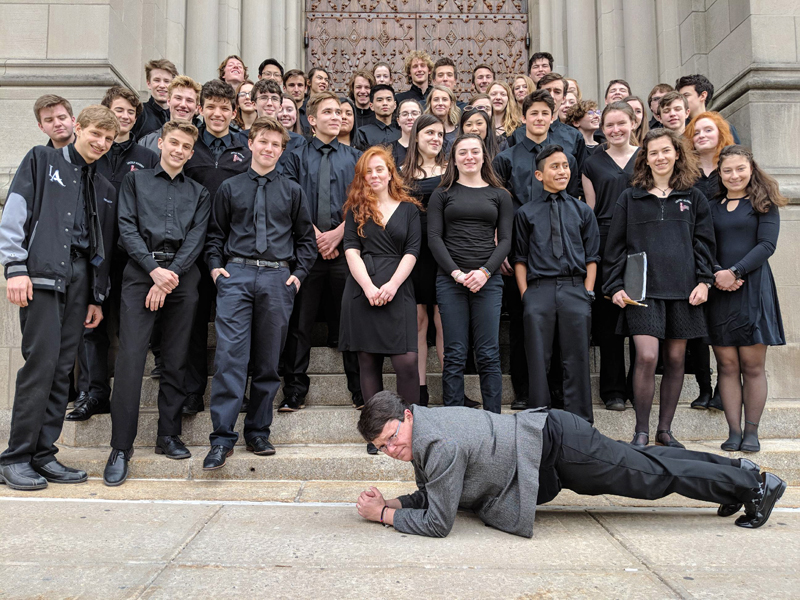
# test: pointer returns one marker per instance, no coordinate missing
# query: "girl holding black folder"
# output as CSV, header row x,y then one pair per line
x,y
665,217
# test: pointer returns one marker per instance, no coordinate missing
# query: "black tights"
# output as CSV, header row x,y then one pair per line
x,y
405,366
673,353
742,380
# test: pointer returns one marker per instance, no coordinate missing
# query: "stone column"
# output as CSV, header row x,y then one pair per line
x,y
258,26
641,59
582,47
202,35
284,41
611,41
557,48
545,27
230,25
176,33
295,27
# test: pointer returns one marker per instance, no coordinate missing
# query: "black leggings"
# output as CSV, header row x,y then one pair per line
x,y
405,366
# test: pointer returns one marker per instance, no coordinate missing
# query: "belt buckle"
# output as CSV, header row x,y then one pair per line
x,y
262,263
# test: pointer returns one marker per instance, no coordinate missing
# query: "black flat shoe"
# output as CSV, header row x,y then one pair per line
x,y
290,404
640,439
358,401
172,447
260,446
701,402
90,408
55,472
728,510
116,471
471,403
519,404
671,441
424,397
733,442
750,441
193,404
757,511
615,404
716,401
372,448
21,476
215,459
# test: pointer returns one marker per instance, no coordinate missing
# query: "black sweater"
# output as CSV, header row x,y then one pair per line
x,y
677,234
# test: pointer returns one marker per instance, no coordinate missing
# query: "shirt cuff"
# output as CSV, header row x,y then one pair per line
x,y
148,263
215,263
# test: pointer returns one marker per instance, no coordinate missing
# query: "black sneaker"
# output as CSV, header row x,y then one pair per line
x,y
290,404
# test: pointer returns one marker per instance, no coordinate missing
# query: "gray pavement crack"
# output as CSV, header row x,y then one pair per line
x,y
630,549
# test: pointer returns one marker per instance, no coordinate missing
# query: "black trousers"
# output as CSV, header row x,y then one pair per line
x,y
559,306
698,361
94,361
136,327
52,325
577,457
518,367
196,378
254,305
331,274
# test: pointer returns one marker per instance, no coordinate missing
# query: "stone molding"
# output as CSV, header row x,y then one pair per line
x,y
768,77
61,73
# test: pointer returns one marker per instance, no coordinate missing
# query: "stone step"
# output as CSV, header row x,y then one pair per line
x,y
349,462
337,425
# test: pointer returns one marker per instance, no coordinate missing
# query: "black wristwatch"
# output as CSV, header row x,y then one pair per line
x,y
591,294
736,273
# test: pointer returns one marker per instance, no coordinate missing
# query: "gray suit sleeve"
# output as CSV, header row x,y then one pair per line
x,y
444,474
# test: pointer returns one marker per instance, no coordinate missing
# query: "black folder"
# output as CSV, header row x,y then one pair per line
x,y
635,278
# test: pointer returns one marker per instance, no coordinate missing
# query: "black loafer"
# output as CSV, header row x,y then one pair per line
x,y
728,510
90,408
290,404
260,446
519,404
733,443
617,404
757,512
358,401
215,459
172,447
21,476
193,404
55,472
116,471
701,402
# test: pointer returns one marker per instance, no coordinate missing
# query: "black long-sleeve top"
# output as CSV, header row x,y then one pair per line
x,y
302,167
376,133
413,93
747,241
161,214
461,227
677,234
608,181
516,167
363,116
210,170
232,230
533,243
708,184
566,136
123,158
152,119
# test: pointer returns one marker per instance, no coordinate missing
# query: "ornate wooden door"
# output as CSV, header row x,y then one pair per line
x,y
348,35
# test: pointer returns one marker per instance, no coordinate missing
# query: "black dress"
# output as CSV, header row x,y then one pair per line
x,y
398,153
424,273
391,328
745,240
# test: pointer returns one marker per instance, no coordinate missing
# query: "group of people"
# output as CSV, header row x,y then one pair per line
x,y
393,213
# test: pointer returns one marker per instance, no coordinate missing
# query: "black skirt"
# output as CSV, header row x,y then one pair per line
x,y
664,319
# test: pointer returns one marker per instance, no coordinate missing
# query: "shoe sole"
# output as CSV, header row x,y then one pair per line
x,y
263,453
698,407
22,488
205,468
114,484
83,480
287,410
190,413
159,450
616,407
749,449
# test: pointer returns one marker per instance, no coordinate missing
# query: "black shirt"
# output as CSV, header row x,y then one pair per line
x,y
302,166
80,228
413,93
152,119
123,158
708,184
218,145
398,152
533,243
516,167
363,116
608,181
461,227
232,231
161,214
211,171
301,114
376,134
565,136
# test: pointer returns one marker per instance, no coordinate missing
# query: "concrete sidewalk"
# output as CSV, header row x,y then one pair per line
x,y
91,546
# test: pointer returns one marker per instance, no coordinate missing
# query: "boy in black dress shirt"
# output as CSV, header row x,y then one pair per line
x,y
324,168
698,91
383,130
360,87
54,117
58,199
556,249
163,217
266,95
158,74
219,154
260,247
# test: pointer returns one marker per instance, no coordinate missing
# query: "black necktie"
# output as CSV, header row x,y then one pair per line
x,y
96,247
260,216
324,190
555,227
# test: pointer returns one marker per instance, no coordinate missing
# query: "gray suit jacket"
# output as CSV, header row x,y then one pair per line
x,y
475,460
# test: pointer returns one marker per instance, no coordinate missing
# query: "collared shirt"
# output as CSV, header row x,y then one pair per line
x,y
302,166
218,145
376,134
533,240
566,136
161,214
123,158
152,119
516,167
303,116
80,228
211,171
232,232
363,116
413,93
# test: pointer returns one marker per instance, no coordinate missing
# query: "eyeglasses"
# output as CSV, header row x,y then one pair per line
x,y
470,108
243,94
413,113
265,98
594,113
391,441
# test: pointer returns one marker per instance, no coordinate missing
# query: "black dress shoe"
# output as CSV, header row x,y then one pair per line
x,y
55,472
471,403
519,404
757,512
290,404
701,402
81,399
617,404
640,439
716,401
21,476
116,471
372,448
91,407
358,401
260,446
215,458
172,447
156,372
193,404
728,510
245,405
424,397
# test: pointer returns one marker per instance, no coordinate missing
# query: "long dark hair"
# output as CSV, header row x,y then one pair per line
x,y
491,143
451,173
412,165
686,171
762,189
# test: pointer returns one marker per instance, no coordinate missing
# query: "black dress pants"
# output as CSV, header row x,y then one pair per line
x,y
518,367
196,379
136,327
324,274
559,306
577,457
52,325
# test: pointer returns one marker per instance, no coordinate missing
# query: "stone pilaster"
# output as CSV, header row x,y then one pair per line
x,y
202,34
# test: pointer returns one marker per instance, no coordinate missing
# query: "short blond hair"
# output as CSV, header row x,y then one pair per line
x,y
183,126
184,81
268,124
161,63
99,116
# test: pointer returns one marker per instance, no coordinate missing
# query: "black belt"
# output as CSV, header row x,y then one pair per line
x,y
253,262
162,256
